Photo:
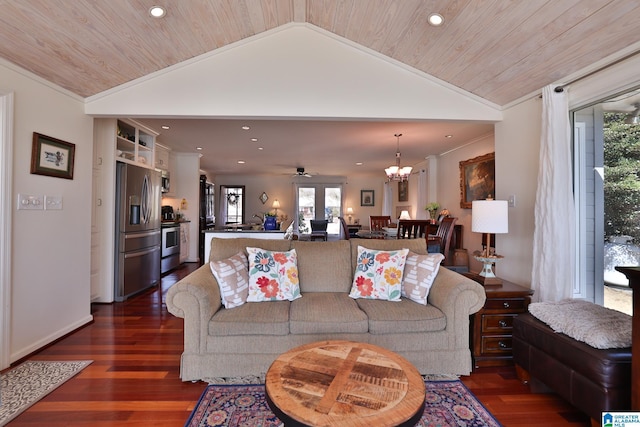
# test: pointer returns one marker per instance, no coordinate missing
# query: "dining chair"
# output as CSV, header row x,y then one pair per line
x,y
344,230
412,228
319,229
376,222
444,234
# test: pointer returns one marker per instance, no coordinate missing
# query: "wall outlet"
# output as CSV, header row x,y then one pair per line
x,y
52,203
30,202
512,201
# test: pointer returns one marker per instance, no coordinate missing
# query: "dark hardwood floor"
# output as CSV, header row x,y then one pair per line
x,y
134,378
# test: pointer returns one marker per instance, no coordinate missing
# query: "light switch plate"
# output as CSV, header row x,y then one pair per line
x,y
53,203
30,202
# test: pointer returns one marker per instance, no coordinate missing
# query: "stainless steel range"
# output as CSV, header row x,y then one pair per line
x,y
170,252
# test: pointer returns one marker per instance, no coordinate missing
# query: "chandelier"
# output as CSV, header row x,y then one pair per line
x,y
396,173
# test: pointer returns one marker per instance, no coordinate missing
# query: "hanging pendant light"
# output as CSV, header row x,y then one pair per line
x,y
396,173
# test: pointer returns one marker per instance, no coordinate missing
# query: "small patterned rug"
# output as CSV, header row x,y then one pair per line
x,y
29,382
448,403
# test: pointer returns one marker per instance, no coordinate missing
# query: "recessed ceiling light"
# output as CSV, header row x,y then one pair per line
x,y
241,162
435,19
358,163
198,148
260,148
254,139
448,136
165,127
157,11
245,128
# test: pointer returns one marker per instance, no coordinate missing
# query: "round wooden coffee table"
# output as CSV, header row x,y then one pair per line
x,y
346,384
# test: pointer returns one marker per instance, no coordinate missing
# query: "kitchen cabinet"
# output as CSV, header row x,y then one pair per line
x,y
162,157
184,241
135,143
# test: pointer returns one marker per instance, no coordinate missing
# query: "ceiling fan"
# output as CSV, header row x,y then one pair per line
x,y
301,172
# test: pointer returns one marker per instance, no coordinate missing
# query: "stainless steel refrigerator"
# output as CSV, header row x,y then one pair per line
x,y
138,233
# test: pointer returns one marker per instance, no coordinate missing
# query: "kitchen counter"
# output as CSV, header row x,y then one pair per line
x,y
231,234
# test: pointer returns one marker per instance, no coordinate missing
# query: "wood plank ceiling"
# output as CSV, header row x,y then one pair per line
x,y
500,50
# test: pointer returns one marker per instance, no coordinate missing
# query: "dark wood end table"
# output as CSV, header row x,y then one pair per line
x,y
492,326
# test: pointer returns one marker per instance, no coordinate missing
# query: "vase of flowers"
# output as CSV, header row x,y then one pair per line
x,y
433,211
270,221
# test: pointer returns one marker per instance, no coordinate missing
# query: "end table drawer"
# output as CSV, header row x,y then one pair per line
x,y
497,323
500,344
513,305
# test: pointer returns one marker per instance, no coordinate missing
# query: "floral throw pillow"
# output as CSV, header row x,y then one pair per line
x,y
273,276
232,275
419,273
378,274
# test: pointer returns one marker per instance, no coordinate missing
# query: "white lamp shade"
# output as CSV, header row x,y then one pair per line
x,y
405,215
490,216
349,211
276,204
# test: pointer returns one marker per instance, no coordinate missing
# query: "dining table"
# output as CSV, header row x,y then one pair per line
x,y
433,242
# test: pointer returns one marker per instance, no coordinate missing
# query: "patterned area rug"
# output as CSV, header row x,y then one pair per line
x,y
29,382
448,403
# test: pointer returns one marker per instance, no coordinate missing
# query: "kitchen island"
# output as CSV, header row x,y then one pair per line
x,y
231,234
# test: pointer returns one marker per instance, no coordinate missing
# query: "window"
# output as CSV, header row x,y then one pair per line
x,y
606,139
232,204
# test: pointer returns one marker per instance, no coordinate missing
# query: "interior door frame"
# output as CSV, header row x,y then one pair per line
x,y
6,173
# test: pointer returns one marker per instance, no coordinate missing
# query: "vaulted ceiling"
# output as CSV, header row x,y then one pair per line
x,y
500,50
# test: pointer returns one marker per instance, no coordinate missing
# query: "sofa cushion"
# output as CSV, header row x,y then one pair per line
x,y
225,248
324,266
232,275
273,276
418,246
419,273
327,312
252,319
404,316
379,274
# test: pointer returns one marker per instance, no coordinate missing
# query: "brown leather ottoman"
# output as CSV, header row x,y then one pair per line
x,y
590,379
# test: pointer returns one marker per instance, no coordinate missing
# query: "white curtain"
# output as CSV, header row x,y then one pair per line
x,y
554,234
422,195
387,199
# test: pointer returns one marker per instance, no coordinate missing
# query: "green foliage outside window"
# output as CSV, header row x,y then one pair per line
x,y
622,177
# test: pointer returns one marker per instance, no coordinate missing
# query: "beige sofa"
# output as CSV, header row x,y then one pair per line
x,y
245,340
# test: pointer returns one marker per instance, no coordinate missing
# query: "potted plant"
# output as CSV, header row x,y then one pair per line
x,y
433,210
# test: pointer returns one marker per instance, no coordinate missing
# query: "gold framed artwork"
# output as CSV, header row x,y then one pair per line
x,y
477,179
52,157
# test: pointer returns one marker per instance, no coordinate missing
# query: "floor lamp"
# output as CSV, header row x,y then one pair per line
x,y
491,217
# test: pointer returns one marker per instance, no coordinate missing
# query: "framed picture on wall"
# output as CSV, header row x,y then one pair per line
x,y
52,157
367,198
477,179
403,191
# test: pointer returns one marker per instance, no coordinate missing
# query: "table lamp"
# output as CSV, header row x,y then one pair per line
x,y
350,214
489,216
276,205
404,215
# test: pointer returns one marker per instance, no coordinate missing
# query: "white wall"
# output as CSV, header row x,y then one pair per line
x,y
50,289
517,157
449,191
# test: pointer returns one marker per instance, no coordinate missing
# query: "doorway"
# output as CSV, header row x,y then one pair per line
x,y
319,201
6,171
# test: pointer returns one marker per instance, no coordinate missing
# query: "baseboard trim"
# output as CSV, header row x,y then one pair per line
x,y
20,356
